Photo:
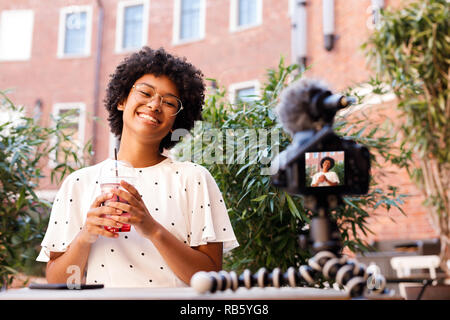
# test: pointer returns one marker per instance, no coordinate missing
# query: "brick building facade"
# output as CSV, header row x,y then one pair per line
x,y
232,41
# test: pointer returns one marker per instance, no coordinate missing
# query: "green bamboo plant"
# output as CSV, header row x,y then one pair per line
x,y
410,53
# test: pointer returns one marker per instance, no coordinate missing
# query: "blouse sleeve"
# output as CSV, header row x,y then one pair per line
x,y
65,220
334,177
209,220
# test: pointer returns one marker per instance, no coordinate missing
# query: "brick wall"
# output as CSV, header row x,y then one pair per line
x,y
229,57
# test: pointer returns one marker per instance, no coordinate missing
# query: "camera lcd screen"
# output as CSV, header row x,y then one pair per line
x,y
324,169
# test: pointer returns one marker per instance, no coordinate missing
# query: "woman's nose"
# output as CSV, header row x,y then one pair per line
x,y
156,102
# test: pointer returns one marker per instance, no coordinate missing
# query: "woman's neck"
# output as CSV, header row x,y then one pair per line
x,y
139,155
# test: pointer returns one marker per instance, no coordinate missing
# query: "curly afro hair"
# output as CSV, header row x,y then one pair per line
x,y
329,159
187,79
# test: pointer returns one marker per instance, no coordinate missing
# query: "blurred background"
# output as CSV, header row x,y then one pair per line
x,y
58,55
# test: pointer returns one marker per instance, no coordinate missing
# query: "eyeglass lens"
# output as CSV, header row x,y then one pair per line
x,y
148,93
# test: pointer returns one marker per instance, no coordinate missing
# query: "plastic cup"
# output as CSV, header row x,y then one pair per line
x,y
106,185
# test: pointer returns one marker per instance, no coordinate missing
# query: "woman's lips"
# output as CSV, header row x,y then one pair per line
x,y
147,118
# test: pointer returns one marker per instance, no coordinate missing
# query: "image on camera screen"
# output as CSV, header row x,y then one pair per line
x,y
324,169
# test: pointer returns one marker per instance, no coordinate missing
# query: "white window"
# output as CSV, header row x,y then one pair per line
x,y
189,21
245,14
75,31
76,124
132,25
16,34
244,91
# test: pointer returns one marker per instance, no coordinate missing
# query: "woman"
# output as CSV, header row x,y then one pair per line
x,y
325,178
179,220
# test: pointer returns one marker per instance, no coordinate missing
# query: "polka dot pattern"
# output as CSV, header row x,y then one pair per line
x,y
182,196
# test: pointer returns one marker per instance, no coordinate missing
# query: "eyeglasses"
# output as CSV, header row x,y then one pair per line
x,y
146,93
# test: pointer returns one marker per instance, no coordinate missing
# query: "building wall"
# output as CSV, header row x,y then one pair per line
x,y
229,57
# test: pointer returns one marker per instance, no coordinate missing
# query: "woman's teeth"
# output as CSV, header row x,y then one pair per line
x,y
146,116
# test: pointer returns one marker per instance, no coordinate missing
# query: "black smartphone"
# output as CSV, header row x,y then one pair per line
x,y
64,286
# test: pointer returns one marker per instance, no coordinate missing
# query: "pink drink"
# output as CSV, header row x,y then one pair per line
x,y
106,188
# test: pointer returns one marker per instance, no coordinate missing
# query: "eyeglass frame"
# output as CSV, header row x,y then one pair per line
x,y
162,97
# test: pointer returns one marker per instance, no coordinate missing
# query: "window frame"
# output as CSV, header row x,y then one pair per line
x,y
176,31
235,87
27,56
121,5
62,31
81,124
234,16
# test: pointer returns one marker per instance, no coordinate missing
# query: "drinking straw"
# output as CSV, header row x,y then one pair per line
x,y
117,171
115,156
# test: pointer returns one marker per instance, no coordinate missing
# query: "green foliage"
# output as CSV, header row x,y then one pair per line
x,y
411,54
266,220
24,147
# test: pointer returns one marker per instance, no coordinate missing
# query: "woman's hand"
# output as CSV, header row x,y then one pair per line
x,y
322,178
138,214
96,220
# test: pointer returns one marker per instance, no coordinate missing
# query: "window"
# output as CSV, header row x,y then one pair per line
x,y
16,34
189,21
245,14
244,91
75,31
132,25
75,127
245,94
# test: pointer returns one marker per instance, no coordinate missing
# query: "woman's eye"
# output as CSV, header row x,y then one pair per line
x,y
170,104
145,93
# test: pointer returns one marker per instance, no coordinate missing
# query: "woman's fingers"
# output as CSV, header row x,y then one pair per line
x,y
100,199
122,207
126,219
127,196
98,211
131,189
99,230
104,221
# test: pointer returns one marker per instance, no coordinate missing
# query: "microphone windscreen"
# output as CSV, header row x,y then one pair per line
x,y
292,110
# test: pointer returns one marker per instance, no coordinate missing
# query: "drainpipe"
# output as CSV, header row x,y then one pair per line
x,y
299,33
328,24
98,59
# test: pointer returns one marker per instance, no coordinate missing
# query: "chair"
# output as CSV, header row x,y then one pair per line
x,y
404,265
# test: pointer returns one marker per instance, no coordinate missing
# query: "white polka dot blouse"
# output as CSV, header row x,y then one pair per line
x,y
182,196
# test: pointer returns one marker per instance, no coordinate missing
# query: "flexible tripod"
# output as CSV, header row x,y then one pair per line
x,y
327,262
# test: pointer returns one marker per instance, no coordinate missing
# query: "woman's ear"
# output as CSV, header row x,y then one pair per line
x,y
120,107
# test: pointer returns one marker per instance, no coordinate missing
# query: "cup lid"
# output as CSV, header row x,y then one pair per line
x,y
118,168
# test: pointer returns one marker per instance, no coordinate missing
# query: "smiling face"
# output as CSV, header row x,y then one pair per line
x,y
145,119
326,165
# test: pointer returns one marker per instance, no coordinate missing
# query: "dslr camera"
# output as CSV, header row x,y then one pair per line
x,y
318,162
